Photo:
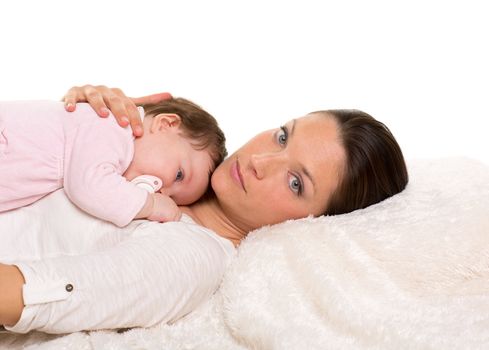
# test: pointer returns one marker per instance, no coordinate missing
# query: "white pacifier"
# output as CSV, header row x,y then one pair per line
x,y
148,182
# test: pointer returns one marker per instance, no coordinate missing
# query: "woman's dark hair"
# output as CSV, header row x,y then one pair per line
x,y
197,125
375,167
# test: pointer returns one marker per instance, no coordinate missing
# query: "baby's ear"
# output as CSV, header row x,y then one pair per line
x,y
165,121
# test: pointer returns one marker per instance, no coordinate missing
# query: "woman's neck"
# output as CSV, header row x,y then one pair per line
x,y
208,213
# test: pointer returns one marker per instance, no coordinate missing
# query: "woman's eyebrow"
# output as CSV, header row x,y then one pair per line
x,y
309,176
303,168
292,128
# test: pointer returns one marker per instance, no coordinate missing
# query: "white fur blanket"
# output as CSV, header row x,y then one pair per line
x,y
410,272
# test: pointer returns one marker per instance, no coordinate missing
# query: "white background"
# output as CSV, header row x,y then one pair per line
x,y
421,67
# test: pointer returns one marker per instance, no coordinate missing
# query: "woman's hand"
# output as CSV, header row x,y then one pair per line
x,y
102,99
11,299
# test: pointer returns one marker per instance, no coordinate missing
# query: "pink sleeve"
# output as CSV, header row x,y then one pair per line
x,y
100,152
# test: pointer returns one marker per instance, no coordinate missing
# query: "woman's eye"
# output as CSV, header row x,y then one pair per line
x,y
295,184
179,176
282,135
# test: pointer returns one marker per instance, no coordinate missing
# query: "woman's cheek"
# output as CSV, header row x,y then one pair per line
x,y
216,181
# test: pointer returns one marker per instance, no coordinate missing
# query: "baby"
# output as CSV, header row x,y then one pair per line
x,y
44,148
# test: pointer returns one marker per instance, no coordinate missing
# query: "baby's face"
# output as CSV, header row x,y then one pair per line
x,y
163,151
184,171
186,179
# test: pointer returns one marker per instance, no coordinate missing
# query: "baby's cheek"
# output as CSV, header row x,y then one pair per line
x,y
189,196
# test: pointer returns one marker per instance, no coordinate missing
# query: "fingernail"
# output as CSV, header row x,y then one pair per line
x,y
125,120
69,107
104,111
138,131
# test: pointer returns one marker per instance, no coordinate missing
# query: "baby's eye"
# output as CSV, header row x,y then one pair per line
x,y
295,185
180,175
282,135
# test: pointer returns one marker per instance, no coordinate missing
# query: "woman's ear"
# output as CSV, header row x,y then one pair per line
x,y
164,121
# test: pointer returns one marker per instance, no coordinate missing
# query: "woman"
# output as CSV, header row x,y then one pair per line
x,y
327,162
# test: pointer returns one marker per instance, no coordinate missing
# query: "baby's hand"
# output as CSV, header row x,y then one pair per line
x,y
164,209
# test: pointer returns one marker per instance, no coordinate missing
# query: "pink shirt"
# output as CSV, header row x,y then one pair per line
x,y
44,148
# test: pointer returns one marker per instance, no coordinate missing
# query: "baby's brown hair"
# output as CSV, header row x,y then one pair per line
x,y
197,125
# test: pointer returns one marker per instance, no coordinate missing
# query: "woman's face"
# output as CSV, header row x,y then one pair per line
x,y
284,173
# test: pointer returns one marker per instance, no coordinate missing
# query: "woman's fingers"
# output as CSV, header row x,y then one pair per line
x,y
104,99
95,96
87,93
152,99
117,106
134,117
70,99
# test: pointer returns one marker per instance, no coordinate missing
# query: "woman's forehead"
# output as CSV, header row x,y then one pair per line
x,y
315,139
318,133
320,125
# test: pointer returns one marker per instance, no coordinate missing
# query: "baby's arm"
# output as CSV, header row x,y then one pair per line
x,y
159,207
93,181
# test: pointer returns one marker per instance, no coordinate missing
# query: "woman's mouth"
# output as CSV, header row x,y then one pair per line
x,y
236,174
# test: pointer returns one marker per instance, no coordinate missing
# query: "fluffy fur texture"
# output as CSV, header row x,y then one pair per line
x,y
410,272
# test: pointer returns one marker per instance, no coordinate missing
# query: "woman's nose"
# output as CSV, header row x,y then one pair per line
x,y
264,163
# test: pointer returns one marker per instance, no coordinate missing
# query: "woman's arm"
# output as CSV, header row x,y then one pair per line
x,y
103,99
158,275
11,303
